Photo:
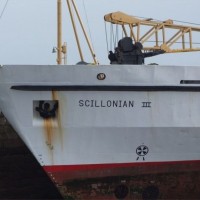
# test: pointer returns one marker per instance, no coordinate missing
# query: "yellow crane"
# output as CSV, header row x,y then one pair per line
x,y
166,35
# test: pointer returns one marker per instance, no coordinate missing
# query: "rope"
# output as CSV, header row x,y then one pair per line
x,y
4,8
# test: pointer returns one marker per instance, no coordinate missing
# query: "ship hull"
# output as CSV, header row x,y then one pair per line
x,y
67,173
102,122
166,180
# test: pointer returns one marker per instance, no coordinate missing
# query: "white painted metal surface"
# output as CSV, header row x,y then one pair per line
x,y
99,127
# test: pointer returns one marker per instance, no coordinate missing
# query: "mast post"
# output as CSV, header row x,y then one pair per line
x,y
59,32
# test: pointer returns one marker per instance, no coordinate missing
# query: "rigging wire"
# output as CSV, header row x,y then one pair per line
x,y
4,8
111,35
187,22
106,37
114,38
152,41
116,35
197,24
86,16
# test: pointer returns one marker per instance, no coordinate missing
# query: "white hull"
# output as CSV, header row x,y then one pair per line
x,y
138,114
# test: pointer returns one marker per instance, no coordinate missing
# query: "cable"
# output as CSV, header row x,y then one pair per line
x,y
187,22
173,20
88,23
151,41
116,35
4,8
111,36
106,37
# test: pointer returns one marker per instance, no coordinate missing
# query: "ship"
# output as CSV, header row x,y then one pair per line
x,y
94,128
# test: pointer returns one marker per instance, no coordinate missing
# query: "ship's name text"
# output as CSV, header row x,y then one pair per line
x,y
106,103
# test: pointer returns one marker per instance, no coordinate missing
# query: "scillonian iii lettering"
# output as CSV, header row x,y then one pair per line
x,y
106,103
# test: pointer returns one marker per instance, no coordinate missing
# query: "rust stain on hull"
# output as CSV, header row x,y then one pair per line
x,y
49,132
48,126
53,128
55,97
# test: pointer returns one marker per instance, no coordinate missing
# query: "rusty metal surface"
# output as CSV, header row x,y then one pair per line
x,y
177,181
183,185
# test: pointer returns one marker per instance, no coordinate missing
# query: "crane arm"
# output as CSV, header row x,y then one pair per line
x,y
162,35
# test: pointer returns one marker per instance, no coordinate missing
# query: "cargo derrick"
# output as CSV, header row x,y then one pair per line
x,y
156,36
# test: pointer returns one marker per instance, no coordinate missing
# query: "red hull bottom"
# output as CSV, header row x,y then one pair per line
x,y
166,180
